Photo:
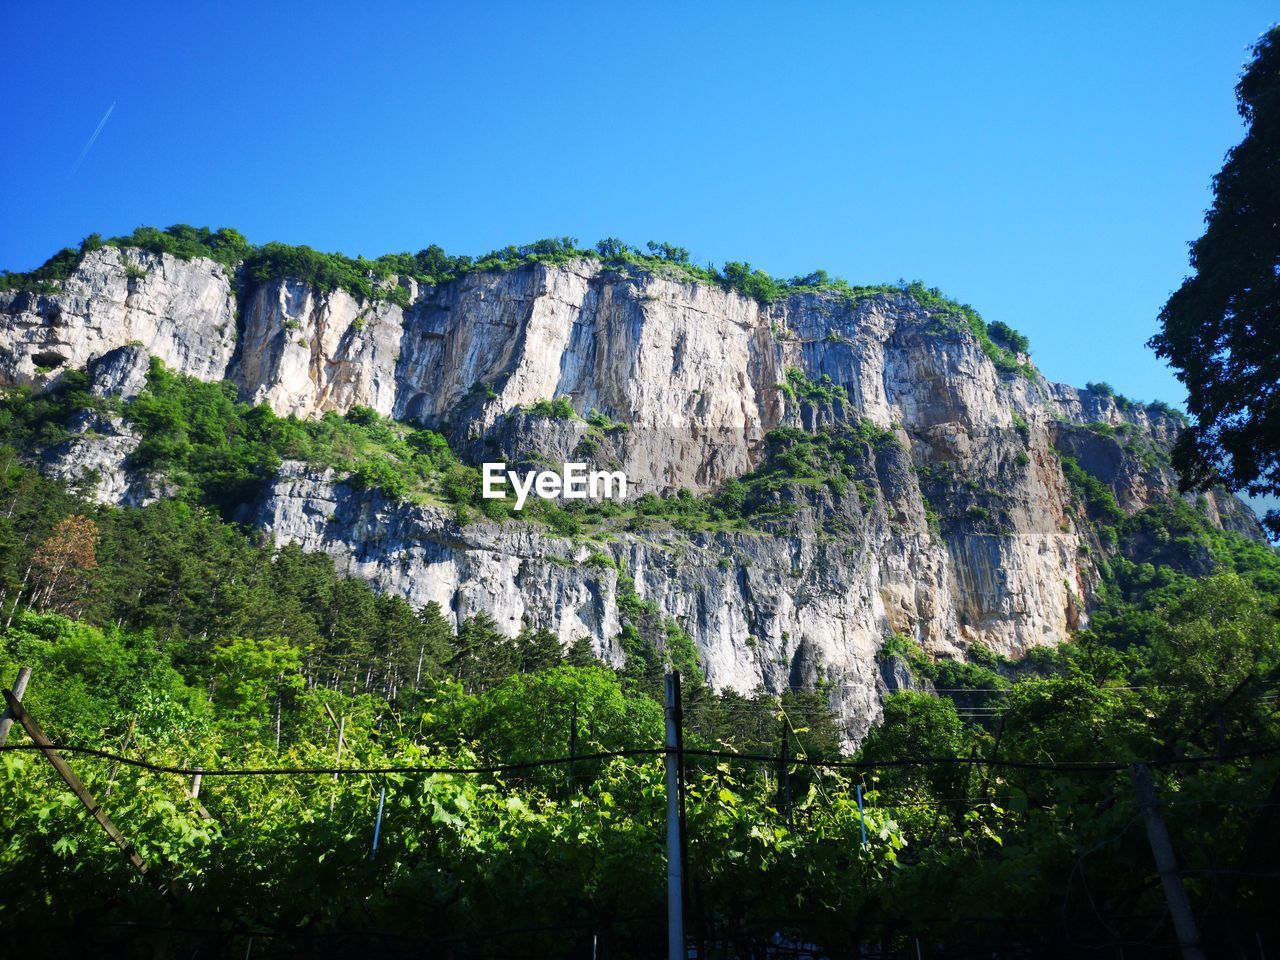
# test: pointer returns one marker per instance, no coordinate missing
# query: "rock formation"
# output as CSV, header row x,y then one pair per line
x,y
967,531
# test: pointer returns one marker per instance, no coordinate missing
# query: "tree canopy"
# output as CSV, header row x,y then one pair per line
x,y
1221,329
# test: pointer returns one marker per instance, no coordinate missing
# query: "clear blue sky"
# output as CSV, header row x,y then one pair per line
x,y
1046,165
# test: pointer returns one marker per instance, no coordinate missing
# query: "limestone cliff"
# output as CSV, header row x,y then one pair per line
x,y
967,530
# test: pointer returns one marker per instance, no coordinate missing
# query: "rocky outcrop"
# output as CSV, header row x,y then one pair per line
x,y
763,610
183,312
964,529
97,456
307,353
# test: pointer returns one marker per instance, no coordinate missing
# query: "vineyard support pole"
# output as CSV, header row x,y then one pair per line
x,y
124,745
1175,894
377,825
194,793
675,861
573,742
340,725
69,777
19,688
862,818
784,774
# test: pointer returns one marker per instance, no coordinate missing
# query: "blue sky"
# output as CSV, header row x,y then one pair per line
x,y
1046,164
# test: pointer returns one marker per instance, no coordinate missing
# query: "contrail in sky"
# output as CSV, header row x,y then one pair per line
x,y
85,152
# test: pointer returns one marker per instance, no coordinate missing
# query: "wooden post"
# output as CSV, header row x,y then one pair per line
x,y
675,866
19,688
124,745
72,781
341,725
1184,923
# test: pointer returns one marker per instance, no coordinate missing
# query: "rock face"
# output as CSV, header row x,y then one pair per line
x,y
183,312
967,530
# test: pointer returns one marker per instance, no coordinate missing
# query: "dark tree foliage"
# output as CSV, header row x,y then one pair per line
x,y
1221,329
1006,336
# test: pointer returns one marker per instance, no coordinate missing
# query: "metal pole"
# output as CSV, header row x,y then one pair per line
x,y
1184,923
784,774
573,742
377,826
675,872
19,688
862,820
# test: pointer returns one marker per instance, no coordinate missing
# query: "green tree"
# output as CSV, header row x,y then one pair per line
x,y
537,649
528,716
917,726
1216,636
1220,330
483,655
251,680
580,653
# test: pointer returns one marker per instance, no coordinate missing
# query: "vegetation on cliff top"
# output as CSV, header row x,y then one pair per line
x,y
381,276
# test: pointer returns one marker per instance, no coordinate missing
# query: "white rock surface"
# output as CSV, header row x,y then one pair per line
x,y
181,311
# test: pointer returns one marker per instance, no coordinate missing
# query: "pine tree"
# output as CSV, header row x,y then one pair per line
x,y
580,653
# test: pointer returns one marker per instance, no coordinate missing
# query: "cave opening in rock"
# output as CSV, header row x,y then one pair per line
x,y
48,359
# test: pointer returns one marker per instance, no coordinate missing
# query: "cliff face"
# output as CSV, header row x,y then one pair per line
x,y
183,312
967,530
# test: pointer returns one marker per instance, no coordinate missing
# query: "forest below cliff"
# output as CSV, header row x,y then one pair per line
x,y
991,810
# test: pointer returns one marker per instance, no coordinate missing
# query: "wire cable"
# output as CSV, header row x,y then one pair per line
x,y
1066,766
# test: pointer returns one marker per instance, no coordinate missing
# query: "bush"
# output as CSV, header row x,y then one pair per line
x,y
1097,496
224,245
47,277
1005,336
557,409
602,421
799,387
